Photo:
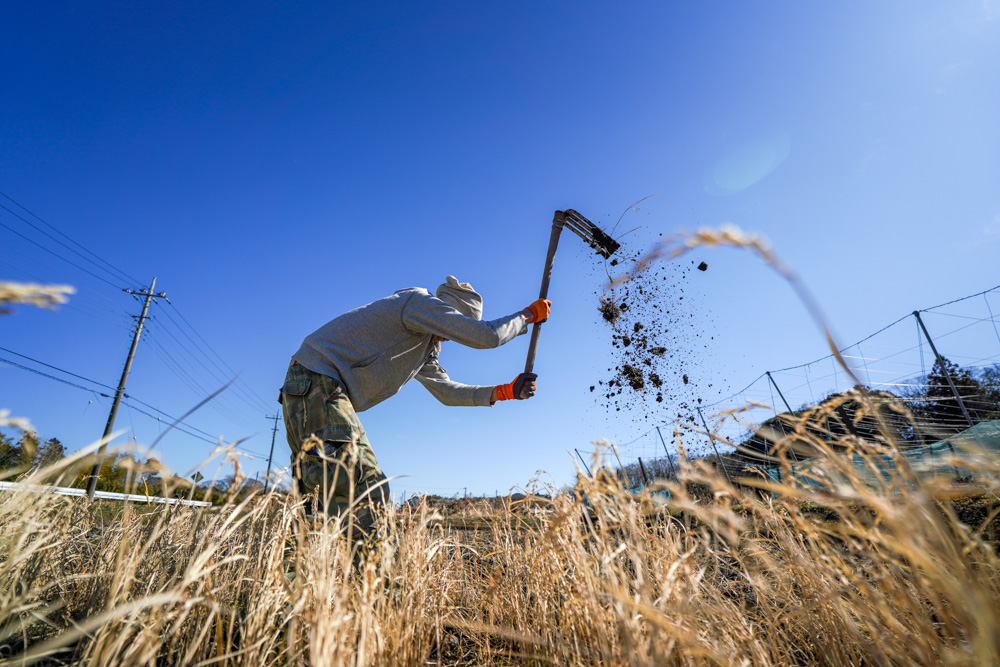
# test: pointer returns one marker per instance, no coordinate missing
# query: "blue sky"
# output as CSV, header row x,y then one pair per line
x,y
275,164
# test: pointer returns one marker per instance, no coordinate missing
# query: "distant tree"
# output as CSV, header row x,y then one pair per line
x,y
939,412
989,382
52,451
151,475
224,483
990,377
115,474
11,454
28,442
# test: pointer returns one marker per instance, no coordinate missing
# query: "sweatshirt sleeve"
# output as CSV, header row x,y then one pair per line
x,y
449,392
425,314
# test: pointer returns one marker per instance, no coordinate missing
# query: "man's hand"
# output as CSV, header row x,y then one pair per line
x,y
538,311
521,388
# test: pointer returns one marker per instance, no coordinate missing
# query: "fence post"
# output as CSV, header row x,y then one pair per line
x,y
665,451
944,368
775,385
642,469
778,417
711,438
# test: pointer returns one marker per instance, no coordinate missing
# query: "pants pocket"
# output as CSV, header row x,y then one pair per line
x,y
330,469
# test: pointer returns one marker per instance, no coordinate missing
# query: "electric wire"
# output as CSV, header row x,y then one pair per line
x,y
51,377
55,254
227,369
171,362
232,410
76,302
121,275
127,399
56,368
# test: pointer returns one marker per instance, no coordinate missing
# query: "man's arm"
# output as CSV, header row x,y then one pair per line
x,y
449,392
425,314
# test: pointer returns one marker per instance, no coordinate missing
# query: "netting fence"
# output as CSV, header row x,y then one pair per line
x,y
942,362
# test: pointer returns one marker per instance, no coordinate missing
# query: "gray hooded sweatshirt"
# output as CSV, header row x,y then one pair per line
x,y
377,348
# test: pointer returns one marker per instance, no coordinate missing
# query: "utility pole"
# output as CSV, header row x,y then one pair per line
x,y
150,295
270,456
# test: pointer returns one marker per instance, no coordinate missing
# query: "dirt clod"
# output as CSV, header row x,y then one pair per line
x,y
703,267
610,310
633,376
648,316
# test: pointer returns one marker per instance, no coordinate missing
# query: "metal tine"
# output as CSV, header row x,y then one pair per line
x,y
584,232
590,240
591,233
576,230
602,242
584,225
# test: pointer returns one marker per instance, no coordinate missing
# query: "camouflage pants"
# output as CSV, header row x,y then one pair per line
x,y
331,455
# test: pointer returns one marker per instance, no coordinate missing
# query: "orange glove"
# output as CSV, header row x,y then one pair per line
x,y
521,388
539,311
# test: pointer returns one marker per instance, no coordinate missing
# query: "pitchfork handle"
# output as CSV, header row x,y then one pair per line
x,y
558,221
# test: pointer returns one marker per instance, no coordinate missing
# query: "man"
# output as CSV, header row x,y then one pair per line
x,y
363,357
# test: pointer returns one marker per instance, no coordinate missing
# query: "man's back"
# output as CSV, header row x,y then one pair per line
x,y
377,348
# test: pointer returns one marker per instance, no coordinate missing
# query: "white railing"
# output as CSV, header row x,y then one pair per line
x,y
103,495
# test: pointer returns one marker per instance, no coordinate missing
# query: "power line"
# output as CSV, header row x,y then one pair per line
x,y
56,368
114,269
223,404
231,372
38,265
204,435
79,302
51,377
182,428
55,254
964,298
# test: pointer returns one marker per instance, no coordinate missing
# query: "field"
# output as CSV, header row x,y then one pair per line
x,y
717,574
871,565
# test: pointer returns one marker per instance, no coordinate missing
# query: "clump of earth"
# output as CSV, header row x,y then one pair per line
x,y
610,310
657,339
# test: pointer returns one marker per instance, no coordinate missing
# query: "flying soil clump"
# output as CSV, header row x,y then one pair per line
x,y
656,339
610,310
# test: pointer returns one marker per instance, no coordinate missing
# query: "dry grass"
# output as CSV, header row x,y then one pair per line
x,y
600,577
839,573
43,296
